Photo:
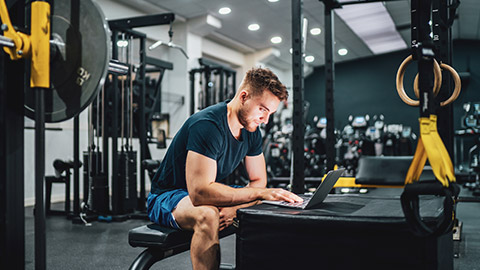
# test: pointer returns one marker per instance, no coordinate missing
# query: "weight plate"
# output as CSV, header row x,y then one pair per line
x,y
79,60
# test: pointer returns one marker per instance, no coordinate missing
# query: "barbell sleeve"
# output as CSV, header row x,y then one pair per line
x,y
4,41
117,67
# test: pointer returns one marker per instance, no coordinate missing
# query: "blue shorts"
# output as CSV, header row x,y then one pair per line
x,y
160,207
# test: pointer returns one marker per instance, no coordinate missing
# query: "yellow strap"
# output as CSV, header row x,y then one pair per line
x,y
431,146
447,162
433,153
418,163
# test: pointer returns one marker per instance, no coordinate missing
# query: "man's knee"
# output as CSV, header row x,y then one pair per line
x,y
207,217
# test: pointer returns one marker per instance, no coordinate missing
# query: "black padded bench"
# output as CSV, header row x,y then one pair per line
x,y
387,170
161,243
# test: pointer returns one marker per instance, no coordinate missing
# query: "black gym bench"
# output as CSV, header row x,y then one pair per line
x,y
162,242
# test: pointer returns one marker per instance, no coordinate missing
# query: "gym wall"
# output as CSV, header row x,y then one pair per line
x,y
367,86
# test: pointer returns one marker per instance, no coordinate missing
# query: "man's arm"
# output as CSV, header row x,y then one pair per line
x,y
200,173
257,171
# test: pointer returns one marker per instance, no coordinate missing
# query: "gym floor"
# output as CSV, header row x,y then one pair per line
x,y
105,245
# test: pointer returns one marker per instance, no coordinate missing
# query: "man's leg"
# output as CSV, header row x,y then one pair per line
x,y
204,221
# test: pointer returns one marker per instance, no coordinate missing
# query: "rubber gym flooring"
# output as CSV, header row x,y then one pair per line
x,y
105,245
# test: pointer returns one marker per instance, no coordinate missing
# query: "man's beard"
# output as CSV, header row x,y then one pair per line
x,y
242,118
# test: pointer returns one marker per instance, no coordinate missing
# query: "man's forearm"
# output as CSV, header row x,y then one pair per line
x,y
244,205
221,195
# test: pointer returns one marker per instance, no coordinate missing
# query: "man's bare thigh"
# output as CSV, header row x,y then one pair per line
x,y
186,213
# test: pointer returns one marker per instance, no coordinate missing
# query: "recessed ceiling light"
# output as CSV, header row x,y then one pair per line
x,y
272,1
253,27
276,40
224,10
291,50
342,51
122,43
315,31
309,59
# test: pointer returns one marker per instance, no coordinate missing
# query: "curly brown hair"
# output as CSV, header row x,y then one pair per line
x,y
258,79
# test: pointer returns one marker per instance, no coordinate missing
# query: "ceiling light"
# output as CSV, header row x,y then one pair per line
x,y
272,1
224,10
309,59
291,50
342,51
253,27
122,43
276,40
315,31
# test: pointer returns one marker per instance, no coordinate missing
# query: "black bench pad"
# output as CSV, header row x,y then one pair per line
x,y
157,236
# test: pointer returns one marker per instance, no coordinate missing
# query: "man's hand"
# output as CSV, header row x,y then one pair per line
x,y
278,194
226,216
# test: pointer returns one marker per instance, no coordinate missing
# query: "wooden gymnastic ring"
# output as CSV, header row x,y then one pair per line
x,y
399,81
458,85
456,79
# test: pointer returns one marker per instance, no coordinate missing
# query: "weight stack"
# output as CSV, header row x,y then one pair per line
x,y
96,189
127,181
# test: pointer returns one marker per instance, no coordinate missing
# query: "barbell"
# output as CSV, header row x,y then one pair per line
x,y
80,58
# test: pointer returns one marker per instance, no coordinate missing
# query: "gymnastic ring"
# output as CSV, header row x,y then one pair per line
x,y
456,79
458,85
399,81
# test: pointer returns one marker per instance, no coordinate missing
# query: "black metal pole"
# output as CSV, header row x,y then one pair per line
x,y
142,132
105,133
192,92
234,83
206,96
298,170
442,38
12,194
40,235
76,168
221,96
114,134
329,86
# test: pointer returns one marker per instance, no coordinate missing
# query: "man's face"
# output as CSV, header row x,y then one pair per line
x,y
257,109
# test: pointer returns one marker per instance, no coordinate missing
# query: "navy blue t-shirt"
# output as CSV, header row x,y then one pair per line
x,y
207,133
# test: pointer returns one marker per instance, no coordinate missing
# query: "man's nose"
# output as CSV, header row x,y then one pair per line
x,y
265,118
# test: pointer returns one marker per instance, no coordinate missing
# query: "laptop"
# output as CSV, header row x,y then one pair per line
x,y
318,197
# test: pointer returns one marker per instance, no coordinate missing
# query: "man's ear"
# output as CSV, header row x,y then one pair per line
x,y
244,96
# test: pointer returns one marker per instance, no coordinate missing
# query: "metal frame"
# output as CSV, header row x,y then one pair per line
x,y
443,41
207,68
330,82
297,172
141,21
125,25
12,213
117,201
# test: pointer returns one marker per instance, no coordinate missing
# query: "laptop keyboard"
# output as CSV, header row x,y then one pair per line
x,y
297,204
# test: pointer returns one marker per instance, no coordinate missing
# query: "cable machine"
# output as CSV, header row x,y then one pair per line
x,y
120,113
217,83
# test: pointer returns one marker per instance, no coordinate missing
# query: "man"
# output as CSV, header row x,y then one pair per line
x,y
185,192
